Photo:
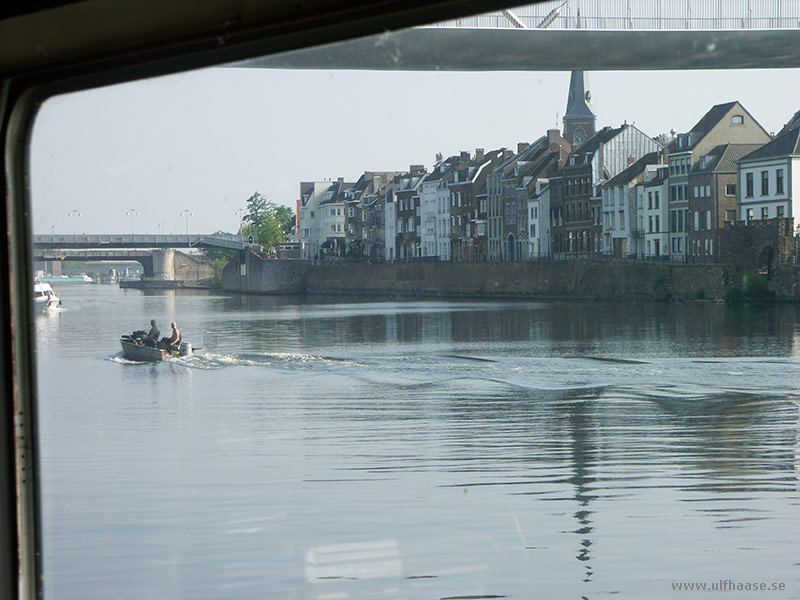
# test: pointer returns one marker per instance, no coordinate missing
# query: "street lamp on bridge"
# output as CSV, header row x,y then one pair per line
x,y
188,214
74,214
132,214
240,213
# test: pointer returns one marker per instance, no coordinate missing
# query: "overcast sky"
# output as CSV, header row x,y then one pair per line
x,y
205,141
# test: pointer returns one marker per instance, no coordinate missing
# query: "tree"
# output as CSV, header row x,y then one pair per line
x,y
220,257
270,222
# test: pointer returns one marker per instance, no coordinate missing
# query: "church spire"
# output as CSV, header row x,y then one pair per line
x,y
579,120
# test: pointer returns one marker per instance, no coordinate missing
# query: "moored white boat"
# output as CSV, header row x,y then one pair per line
x,y
77,278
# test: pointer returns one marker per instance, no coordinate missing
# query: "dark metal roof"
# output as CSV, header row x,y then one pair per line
x,y
633,171
783,145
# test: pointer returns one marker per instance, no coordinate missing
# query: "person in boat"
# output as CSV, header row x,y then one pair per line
x,y
172,342
151,339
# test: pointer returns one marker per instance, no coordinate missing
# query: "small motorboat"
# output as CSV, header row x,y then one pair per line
x,y
134,348
44,296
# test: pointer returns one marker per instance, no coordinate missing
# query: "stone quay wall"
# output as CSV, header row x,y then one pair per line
x,y
249,273
584,279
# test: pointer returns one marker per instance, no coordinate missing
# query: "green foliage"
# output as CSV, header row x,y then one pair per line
x,y
733,294
269,222
219,257
754,286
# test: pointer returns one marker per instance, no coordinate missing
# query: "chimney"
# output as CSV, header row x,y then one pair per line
x,y
464,156
553,139
416,169
438,157
340,180
521,147
478,154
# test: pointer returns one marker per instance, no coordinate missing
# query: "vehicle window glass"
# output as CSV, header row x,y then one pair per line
x,y
273,358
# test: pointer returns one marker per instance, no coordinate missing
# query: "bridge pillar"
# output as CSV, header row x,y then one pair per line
x,y
164,264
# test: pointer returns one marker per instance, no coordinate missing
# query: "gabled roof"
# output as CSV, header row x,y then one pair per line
x,y
633,171
792,123
709,120
726,156
783,145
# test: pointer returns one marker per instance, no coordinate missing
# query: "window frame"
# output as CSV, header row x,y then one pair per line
x,y
130,41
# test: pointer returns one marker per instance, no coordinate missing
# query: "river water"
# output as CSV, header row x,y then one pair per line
x,y
353,448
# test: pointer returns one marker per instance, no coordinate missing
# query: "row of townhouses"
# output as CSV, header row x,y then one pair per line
x,y
616,192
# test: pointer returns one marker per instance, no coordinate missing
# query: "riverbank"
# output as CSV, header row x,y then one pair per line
x,y
578,279
582,279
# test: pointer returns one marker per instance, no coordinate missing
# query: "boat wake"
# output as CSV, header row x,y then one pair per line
x,y
678,380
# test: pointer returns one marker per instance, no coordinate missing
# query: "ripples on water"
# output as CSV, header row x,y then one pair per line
x,y
340,449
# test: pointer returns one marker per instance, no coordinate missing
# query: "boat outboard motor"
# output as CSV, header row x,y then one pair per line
x,y
185,349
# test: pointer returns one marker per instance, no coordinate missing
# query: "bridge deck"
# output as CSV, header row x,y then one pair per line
x,y
108,241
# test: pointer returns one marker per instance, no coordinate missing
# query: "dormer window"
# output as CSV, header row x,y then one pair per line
x,y
737,120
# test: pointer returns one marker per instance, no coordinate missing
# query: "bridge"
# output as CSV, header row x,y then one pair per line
x,y
564,35
42,243
156,253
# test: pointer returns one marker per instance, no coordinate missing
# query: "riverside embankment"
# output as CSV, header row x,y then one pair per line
x,y
585,279
545,279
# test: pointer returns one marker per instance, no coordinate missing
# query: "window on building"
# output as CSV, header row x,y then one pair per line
x,y
779,211
656,202
696,220
779,181
658,224
765,212
730,215
730,189
649,199
749,215
764,183
708,220
737,120
749,185
696,192
650,225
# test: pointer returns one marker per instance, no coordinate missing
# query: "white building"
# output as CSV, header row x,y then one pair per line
x,y
539,221
390,222
769,179
653,208
310,222
622,222
435,212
